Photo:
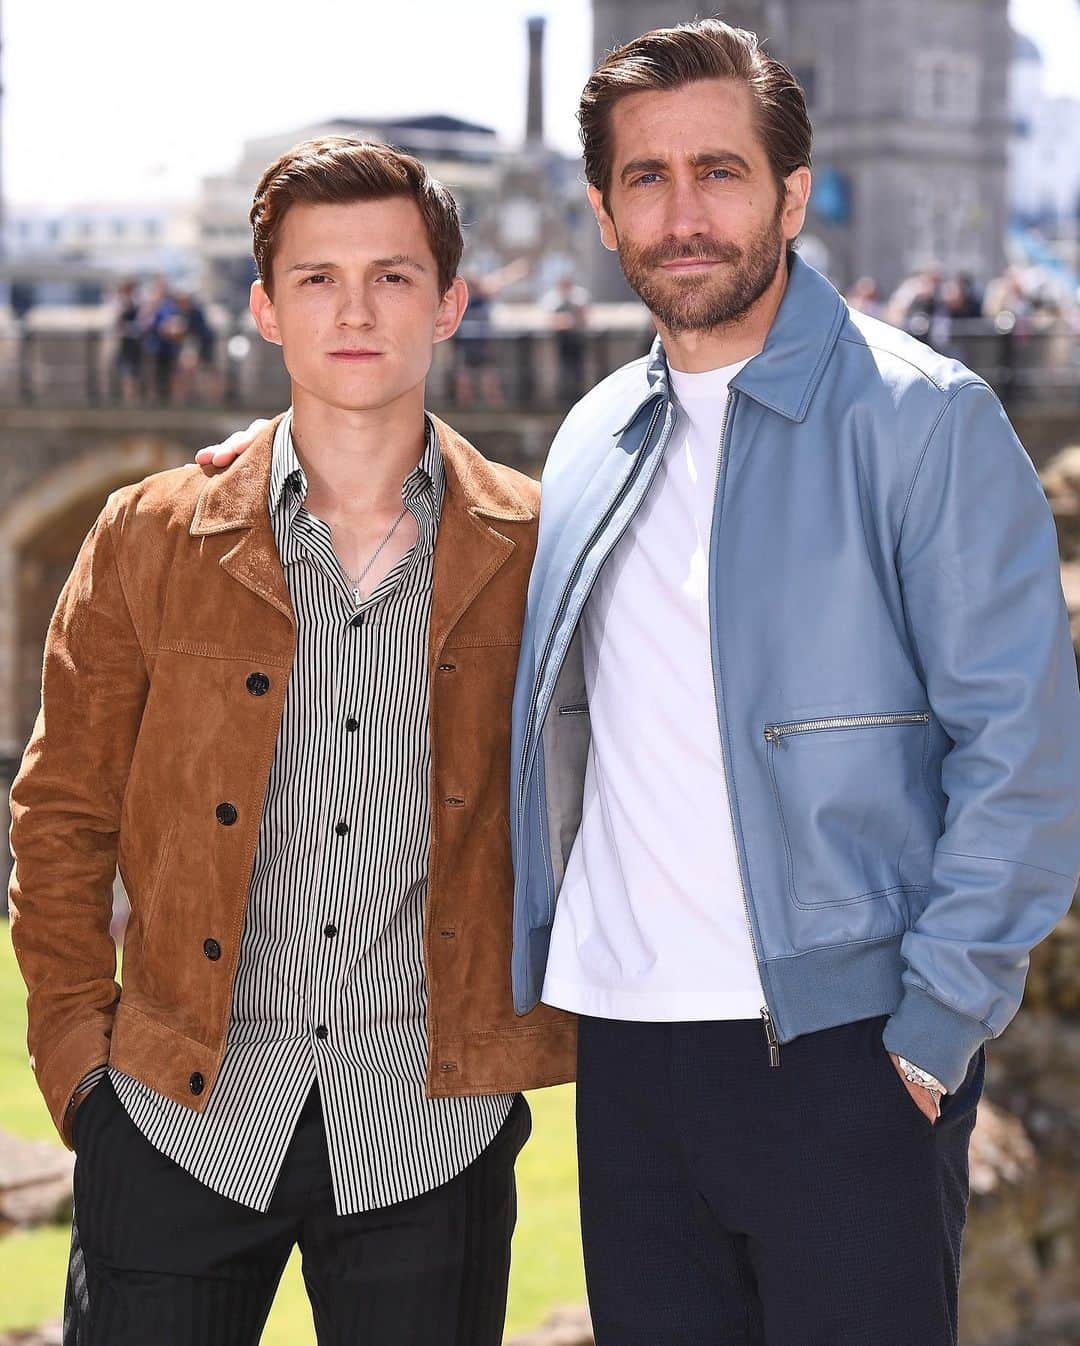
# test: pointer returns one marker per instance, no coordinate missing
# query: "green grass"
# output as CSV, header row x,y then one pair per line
x,y
547,1247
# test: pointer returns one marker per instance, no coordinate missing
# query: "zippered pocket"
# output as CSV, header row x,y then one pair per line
x,y
856,817
775,733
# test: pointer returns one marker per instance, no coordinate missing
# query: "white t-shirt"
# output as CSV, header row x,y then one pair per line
x,y
651,922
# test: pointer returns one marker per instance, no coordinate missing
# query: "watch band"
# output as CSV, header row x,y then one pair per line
x,y
915,1075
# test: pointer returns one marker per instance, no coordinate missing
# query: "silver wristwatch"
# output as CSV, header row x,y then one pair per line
x,y
914,1075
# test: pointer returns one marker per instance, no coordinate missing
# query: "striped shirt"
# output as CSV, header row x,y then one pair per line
x,y
330,985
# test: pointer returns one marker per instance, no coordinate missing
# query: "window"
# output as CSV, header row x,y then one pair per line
x,y
945,86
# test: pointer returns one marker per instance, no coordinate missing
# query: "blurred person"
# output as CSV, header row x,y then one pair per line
x,y
127,326
865,297
197,377
164,330
794,783
915,302
253,682
477,377
960,299
568,304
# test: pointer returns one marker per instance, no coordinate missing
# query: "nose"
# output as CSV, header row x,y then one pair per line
x,y
355,309
686,212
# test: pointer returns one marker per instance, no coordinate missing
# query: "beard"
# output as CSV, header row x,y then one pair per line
x,y
699,303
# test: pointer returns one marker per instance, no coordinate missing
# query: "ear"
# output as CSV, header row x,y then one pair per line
x,y
608,235
796,199
452,308
262,310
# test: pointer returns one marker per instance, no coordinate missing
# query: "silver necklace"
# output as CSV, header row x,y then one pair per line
x,y
357,581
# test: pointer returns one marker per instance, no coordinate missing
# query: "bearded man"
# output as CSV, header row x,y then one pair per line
x,y
794,761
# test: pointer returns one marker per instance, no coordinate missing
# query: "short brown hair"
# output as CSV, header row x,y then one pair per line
x,y
668,58
337,170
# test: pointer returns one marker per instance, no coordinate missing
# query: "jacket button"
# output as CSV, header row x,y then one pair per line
x,y
212,949
258,684
226,814
196,1083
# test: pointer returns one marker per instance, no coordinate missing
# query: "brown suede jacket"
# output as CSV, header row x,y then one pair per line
x,y
165,673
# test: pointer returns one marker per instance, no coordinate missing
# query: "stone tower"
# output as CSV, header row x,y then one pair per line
x,y
909,100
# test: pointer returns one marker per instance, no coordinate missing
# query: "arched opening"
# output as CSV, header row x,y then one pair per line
x,y
40,535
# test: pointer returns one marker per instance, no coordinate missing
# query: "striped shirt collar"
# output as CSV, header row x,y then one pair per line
x,y
422,491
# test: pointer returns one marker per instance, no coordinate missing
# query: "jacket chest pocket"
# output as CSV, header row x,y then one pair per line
x,y
856,815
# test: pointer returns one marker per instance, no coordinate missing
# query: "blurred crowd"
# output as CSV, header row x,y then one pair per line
x,y
165,345
934,305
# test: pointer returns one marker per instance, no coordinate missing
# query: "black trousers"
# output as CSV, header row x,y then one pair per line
x,y
160,1260
729,1203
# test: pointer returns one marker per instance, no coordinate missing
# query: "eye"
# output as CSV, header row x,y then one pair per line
x,y
395,278
645,180
721,174
310,280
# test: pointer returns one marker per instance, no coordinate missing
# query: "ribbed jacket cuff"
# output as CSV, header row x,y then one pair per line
x,y
934,1037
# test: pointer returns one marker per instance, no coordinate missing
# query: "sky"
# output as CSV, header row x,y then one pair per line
x,y
131,100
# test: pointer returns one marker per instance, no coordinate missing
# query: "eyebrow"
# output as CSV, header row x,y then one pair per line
x,y
400,259
706,158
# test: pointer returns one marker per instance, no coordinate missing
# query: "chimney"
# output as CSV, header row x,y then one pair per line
x,y
534,112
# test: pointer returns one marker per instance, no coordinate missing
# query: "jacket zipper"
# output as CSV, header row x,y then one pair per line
x,y
776,733
564,598
771,1039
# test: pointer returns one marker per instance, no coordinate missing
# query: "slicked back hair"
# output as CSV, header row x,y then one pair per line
x,y
670,58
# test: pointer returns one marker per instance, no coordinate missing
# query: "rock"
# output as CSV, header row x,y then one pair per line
x,y
35,1181
52,1334
1001,1152
1061,481
1019,1285
565,1327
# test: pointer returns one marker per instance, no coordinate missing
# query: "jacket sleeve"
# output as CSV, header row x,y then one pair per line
x,y
65,819
978,563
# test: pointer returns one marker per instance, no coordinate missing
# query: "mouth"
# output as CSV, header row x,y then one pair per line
x,y
355,356
689,266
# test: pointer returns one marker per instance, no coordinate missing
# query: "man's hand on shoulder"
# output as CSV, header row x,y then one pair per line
x,y
227,452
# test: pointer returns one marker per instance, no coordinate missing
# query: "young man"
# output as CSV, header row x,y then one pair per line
x,y
280,699
795,746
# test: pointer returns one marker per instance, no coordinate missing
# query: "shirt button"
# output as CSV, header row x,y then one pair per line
x,y
196,1083
226,814
341,828
330,930
322,1032
358,620
352,725
212,949
258,684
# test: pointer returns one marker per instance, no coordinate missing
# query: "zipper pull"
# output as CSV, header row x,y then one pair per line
x,y
772,734
770,1036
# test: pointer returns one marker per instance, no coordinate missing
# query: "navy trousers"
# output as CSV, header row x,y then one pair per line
x,y
726,1202
159,1258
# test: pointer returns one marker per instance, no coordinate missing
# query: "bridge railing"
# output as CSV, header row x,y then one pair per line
x,y
534,369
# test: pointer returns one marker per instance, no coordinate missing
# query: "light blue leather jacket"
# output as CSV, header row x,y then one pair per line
x,y
895,684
